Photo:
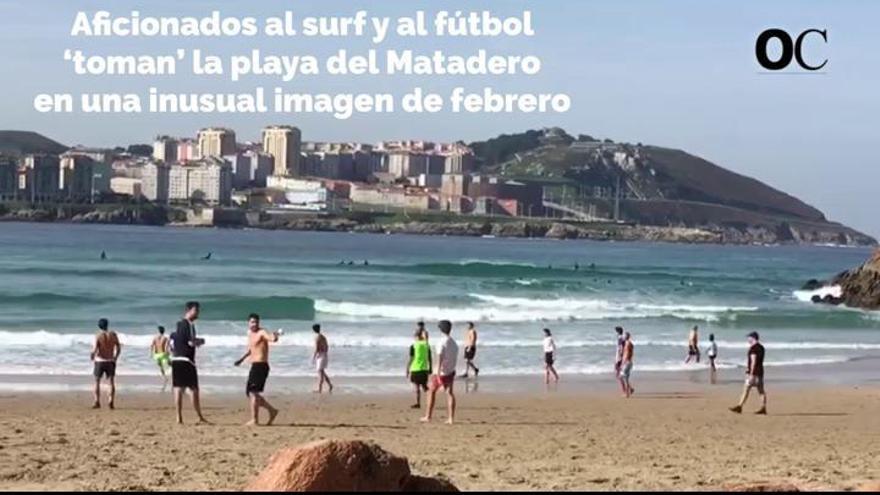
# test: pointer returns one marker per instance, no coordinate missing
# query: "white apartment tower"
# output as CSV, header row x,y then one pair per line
x,y
284,143
155,182
216,142
208,182
165,149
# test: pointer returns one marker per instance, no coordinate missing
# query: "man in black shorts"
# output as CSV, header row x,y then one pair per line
x,y
258,352
470,351
754,375
105,352
418,369
184,374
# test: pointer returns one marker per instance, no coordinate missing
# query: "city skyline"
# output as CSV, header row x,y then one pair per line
x,y
680,74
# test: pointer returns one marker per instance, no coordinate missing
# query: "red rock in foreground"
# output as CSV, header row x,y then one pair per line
x,y
335,465
871,486
763,487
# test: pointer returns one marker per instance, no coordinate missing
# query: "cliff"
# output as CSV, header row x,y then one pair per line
x,y
659,187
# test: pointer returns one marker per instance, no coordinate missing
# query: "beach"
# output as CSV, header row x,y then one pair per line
x,y
512,433
56,287
672,435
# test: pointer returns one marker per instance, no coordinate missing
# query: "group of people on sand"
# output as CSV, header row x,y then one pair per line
x,y
178,351
429,372
623,364
754,366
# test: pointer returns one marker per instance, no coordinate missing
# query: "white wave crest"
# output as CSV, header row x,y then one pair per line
x,y
516,309
807,295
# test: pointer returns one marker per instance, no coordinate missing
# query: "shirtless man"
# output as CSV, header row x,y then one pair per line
x,y
105,352
626,365
693,346
470,350
320,359
160,351
258,351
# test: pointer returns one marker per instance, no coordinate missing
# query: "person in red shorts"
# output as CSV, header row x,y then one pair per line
x,y
444,374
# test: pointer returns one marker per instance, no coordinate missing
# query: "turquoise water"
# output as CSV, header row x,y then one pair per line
x,y
55,287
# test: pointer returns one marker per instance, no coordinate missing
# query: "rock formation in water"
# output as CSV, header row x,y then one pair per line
x,y
859,287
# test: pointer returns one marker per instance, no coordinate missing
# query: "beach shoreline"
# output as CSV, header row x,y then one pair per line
x,y
680,437
856,372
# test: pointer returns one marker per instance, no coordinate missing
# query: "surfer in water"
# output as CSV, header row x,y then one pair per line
x,y
207,256
103,255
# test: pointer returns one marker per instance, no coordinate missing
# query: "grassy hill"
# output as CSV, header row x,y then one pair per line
x,y
25,142
658,186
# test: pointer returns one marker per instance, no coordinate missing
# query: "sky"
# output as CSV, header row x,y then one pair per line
x,y
681,74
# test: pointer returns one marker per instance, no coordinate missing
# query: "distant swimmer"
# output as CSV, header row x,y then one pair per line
x,y
320,359
549,357
444,373
577,267
754,375
207,256
470,350
366,263
592,266
418,369
693,346
627,366
258,352
105,352
103,255
184,375
351,263
160,350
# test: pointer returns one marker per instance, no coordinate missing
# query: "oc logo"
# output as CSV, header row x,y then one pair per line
x,y
791,49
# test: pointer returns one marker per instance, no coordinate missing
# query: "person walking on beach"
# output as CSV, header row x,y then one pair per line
x,y
444,373
159,352
104,354
258,352
184,375
549,357
470,350
712,352
419,366
693,346
626,365
754,375
319,358
618,356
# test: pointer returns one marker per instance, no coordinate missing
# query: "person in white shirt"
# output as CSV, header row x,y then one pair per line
x,y
549,357
712,352
446,353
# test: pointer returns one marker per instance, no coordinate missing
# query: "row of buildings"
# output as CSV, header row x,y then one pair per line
x,y
280,171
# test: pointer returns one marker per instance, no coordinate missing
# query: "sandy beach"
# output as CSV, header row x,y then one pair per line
x,y
678,437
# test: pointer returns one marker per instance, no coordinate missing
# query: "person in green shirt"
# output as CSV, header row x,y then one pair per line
x,y
418,369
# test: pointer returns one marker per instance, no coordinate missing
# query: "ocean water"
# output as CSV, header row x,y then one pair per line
x,y
54,287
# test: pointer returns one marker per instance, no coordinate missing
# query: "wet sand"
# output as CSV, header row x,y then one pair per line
x,y
679,437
